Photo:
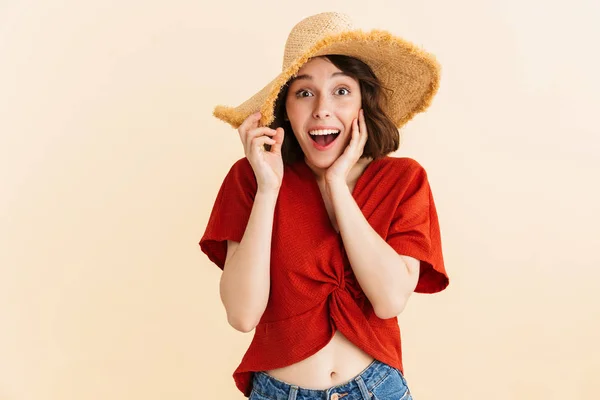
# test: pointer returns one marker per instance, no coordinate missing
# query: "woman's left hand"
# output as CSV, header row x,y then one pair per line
x,y
339,170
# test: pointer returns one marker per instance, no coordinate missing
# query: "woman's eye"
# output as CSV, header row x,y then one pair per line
x,y
342,89
303,93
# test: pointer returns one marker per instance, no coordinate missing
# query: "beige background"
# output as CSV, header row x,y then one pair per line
x,y
110,161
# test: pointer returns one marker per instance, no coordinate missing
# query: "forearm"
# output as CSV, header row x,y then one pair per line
x,y
245,282
381,272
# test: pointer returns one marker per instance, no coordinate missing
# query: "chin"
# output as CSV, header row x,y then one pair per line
x,y
321,160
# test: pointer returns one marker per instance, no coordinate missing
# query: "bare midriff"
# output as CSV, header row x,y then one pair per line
x,y
336,363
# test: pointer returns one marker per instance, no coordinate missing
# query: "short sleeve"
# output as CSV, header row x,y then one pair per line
x,y
414,230
230,213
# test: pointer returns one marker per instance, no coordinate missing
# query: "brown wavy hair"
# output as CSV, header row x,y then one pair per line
x,y
384,137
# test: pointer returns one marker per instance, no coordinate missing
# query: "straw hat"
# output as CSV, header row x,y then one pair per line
x,y
410,72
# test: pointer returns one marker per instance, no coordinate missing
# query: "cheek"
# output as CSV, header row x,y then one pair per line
x,y
350,108
298,115
294,109
349,115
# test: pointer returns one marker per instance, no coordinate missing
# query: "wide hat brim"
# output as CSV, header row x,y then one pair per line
x,y
411,73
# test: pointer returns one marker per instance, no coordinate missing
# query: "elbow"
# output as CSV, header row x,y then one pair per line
x,y
241,325
386,313
390,309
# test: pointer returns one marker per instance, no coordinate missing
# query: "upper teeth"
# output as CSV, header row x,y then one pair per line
x,y
324,132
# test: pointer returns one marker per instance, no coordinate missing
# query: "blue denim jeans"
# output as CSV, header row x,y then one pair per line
x,y
378,381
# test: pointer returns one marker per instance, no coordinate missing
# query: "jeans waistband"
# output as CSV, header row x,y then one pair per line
x,y
358,388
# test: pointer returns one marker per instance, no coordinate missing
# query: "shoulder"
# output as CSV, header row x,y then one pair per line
x,y
404,163
241,165
242,174
408,182
404,168
241,168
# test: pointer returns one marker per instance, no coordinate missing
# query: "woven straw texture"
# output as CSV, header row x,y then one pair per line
x,y
411,73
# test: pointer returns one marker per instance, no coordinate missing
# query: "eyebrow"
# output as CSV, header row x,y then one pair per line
x,y
310,78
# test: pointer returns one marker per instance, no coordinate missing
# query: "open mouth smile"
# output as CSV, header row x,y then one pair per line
x,y
323,139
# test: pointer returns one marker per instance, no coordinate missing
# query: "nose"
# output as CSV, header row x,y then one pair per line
x,y
322,108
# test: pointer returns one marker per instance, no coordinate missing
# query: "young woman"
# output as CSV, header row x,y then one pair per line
x,y
321,236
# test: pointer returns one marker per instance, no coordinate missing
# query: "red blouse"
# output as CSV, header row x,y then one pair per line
x,y
313,289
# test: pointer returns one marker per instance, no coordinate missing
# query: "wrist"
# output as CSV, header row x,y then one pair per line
x,y
335,183
336,187
268,193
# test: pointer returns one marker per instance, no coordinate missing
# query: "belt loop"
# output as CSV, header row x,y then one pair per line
x,y
363,388
293,392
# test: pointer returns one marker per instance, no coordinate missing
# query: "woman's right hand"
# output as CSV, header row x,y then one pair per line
x,y
266,164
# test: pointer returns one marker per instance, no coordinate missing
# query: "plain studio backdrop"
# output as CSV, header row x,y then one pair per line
x,y
110,161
